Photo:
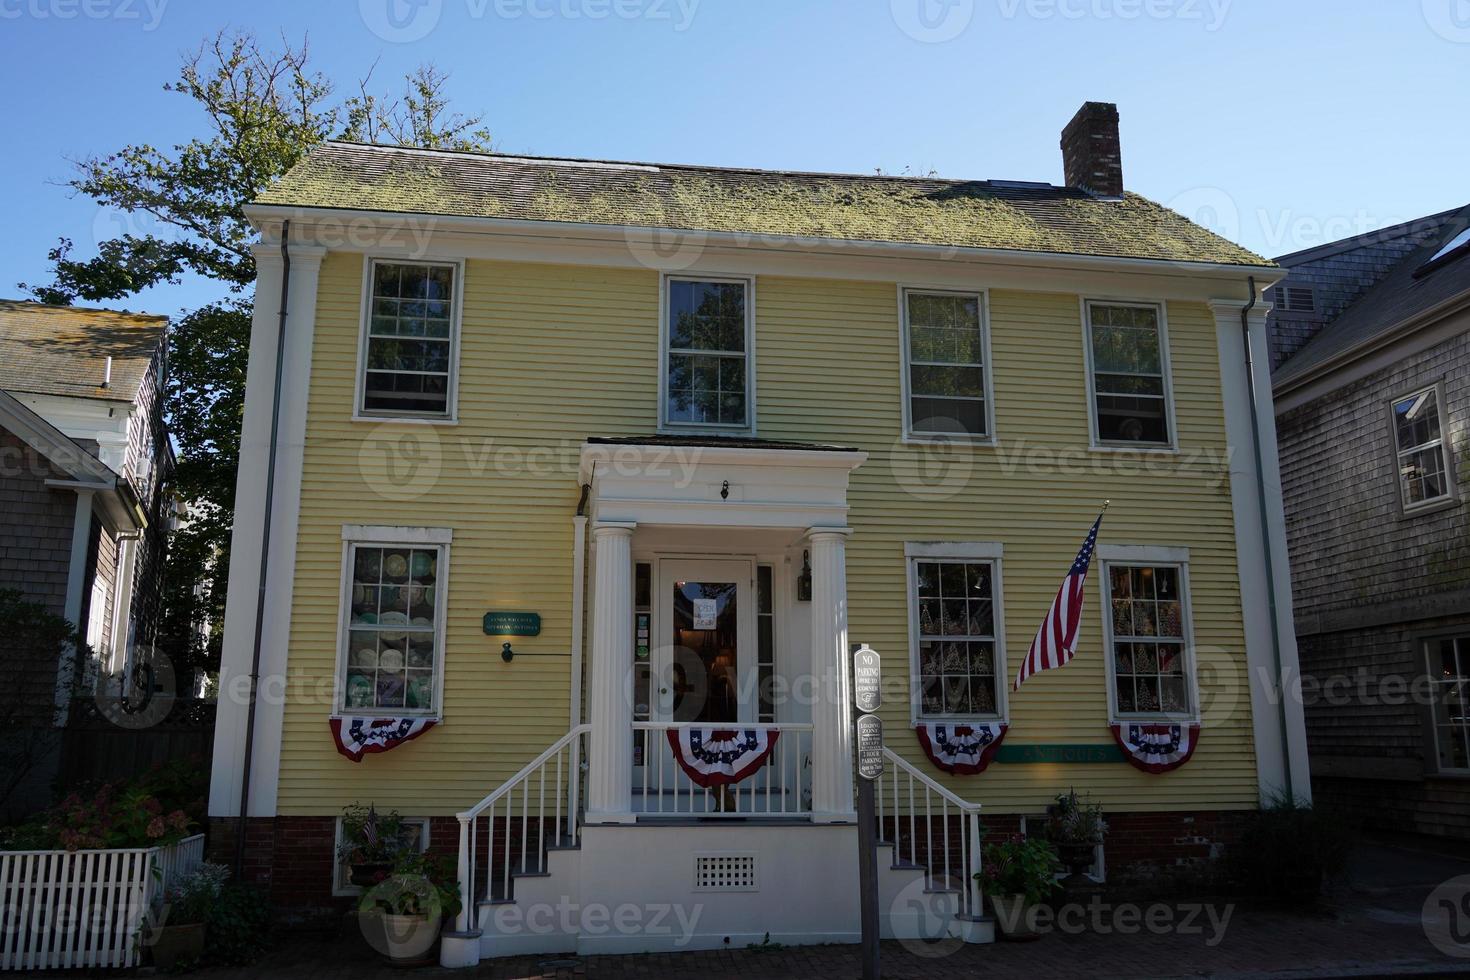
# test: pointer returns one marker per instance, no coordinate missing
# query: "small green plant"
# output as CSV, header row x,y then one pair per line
x,y
1076,820
237,926
189,900
765,945
419,884
370,837
1287,848
1019,866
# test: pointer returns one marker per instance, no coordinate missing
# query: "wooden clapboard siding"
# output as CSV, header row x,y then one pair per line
x,y
553,354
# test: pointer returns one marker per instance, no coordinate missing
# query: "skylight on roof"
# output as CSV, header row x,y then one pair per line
x,y
1459,241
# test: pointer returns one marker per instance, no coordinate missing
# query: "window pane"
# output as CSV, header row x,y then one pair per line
x,y
1139,420
392,628
952,382
1423,476
1127,364
409,301
1417,420
1151,675
707,315
945,329
1125,350
949,416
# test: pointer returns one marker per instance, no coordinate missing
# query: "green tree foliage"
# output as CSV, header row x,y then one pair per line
x,y
260,110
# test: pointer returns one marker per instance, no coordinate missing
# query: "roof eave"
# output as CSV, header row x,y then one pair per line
x,y
1267,274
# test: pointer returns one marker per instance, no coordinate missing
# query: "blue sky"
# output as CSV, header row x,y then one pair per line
x,y
1281,124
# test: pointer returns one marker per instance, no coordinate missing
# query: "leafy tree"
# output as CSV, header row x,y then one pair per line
x,y
261,110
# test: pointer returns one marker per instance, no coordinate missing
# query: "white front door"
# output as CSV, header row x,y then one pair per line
x,y
704,641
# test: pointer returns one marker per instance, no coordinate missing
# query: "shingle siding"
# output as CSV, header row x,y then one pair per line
x,y
1368,582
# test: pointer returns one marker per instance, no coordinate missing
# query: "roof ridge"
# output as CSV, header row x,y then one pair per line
x,y
652,165
32,304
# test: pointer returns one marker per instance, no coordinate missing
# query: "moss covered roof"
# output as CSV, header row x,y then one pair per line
x,y
909,210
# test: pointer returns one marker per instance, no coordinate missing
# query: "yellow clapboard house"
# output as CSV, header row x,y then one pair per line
x,y
587,477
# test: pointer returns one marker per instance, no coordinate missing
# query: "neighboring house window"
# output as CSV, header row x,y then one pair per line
x,y
707,378
1424,474
954,620
393,621
946,364
1147,631
1448,660
410,336
1128,364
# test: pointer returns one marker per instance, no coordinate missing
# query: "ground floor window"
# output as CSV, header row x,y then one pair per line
x,y
394,583
1448,660
953,614
1147,636
415,836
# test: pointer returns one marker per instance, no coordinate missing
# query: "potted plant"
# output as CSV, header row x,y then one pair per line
x,y
1076,827
371,843
1018,873
401,915
178,938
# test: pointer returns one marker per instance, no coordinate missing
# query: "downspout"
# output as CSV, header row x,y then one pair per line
x,y
1262,503
579,580
265,550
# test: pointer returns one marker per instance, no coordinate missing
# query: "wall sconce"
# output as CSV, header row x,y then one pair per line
x,y
506,653
804,580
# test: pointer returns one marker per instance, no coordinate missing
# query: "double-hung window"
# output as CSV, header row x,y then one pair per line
x,y
392,645
1425,476
1147,632
1448,660
946,364
706,380
409,337
955,628
1128,361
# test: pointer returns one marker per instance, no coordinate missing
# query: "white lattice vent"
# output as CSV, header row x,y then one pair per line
x,y
724,872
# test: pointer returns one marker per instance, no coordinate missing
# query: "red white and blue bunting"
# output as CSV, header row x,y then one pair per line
x,y
962,748
720,756
1156,748
358,736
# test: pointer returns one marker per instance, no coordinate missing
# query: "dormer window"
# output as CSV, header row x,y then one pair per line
x,y
707,335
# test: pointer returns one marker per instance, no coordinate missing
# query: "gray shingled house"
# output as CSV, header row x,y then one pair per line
x,y
1371,371
84,457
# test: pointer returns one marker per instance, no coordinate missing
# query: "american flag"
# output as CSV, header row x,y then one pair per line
x,y
1056,640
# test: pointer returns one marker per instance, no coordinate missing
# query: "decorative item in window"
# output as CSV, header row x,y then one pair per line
x,y
960,748
1147,640
358,736
714,757
955,605
1156,748
804,580
392,630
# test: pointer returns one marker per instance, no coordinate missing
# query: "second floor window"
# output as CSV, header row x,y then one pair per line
x,y
944,350
1130,380
408,344
1420,452
707,375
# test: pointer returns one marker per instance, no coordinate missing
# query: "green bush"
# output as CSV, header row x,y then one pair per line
x,y
1287,849
237,927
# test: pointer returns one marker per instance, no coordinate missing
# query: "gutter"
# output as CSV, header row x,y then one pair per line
x,y
579,585
628,235
265,552
1261,505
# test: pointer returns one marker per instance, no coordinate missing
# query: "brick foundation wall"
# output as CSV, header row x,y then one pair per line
x,y
292,858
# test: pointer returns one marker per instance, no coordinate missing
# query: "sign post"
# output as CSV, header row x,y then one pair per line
x,y
868,728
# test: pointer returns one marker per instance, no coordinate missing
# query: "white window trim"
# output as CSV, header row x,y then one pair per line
x,y
927,438
1452,494
688,428
341,886
1431,759
971,551
1094,442
354,535
1149,555
455,330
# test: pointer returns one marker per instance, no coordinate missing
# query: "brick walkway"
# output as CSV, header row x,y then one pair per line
x,y
1372,928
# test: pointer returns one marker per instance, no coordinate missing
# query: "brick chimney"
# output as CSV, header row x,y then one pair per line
x,y
1091,156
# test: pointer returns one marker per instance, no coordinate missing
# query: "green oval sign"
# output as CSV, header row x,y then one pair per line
x,y
512,623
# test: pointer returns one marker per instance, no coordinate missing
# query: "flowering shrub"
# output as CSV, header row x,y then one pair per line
x,y
189,901
151,811
1019,866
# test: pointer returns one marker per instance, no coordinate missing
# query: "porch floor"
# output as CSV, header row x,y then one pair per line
x,y
1369,928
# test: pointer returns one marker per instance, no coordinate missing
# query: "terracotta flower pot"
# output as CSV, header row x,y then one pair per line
x,y
175,945
1013,915
410,937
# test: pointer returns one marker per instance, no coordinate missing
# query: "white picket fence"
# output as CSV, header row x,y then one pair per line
x,y
71,909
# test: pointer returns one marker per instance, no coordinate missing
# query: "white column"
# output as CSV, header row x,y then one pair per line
x,y
1280,742
610,697
76,579
832,799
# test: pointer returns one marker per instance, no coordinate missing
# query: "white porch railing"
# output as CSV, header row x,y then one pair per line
x,y
932,828
77,909
508,832
782,786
